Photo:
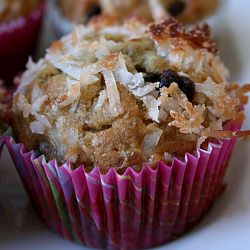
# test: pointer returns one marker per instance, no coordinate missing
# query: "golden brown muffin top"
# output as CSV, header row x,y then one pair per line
x,y
187,11
12,9
122,95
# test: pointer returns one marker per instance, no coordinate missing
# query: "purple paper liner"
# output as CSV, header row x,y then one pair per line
x,y
128,211
17,41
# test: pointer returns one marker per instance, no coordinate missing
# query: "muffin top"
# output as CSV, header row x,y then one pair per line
x,y
12,9
81,11
123,95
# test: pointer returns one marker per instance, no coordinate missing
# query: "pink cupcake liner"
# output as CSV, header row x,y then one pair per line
x,y
128,211
17,41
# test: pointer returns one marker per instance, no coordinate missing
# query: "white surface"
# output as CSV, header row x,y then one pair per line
x,y
227,226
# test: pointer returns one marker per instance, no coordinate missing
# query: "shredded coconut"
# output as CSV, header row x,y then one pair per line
x,y
151,140
73,94
32,71
113,93
152,105
43,120
37,103
101,100
220,99
37,127
24,106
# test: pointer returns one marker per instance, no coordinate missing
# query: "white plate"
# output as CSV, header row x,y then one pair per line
x,y
227,226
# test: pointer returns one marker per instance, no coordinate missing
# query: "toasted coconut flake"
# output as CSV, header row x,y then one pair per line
x,y
43,120
66,66
89,79
140,92
152,105
228,134
73,94
37,127
198,36
243,89
151,140
127,31
89,74
101,100
37,104
32,72
189,121
221,100
113,93
240,93
36,93
186,117
23,106
172,99
133,82
215,124
123,76
103,47
109,62
73,107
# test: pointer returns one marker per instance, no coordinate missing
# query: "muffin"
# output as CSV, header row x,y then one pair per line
x,y
121,129
20,23
81,11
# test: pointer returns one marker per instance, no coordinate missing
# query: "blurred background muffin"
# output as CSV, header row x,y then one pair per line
x,y
20,22
12,9
66,12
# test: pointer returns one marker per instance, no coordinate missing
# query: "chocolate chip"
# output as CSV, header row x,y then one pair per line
x,y
152,77
94,11
185,84
176,8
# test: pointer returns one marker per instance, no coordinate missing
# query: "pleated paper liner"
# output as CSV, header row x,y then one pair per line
x,y
128,211
17,41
